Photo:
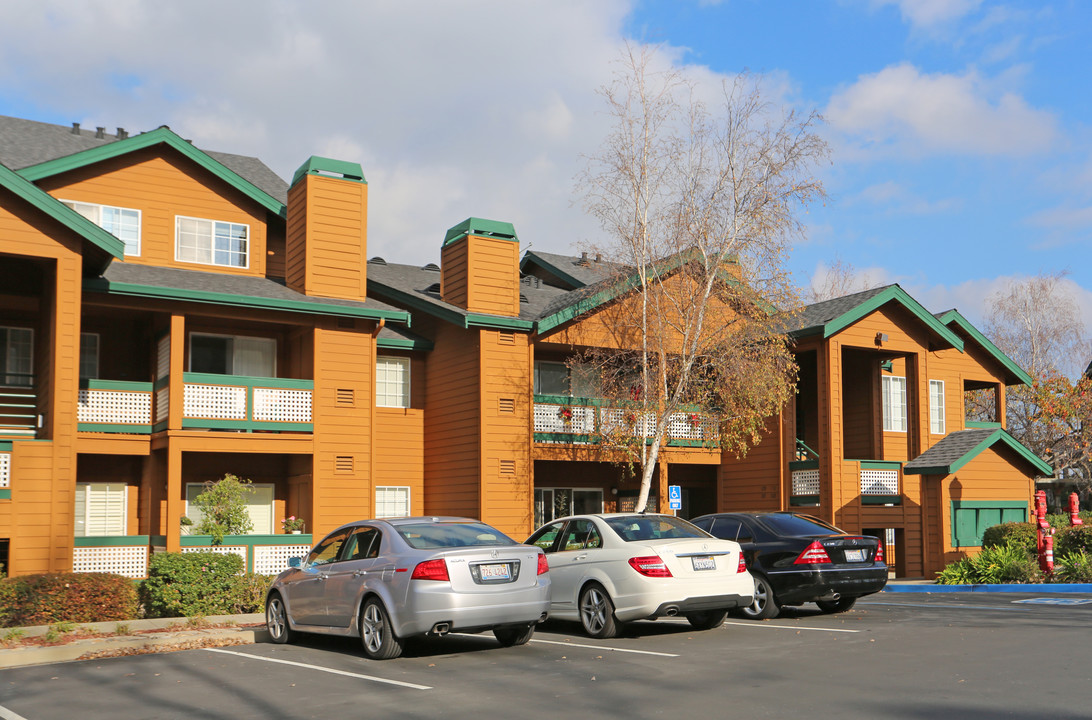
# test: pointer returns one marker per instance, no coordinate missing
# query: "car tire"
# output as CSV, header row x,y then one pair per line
x,y
512,636
376,633
707,620
276,620
765,604
597,612
836,606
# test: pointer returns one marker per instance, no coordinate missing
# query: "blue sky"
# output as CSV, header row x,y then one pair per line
x,y
959,133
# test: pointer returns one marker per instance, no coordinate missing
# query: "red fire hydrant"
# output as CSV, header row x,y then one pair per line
x,y
1074,510
1044,534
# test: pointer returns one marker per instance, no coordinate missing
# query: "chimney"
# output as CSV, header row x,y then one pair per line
x,y
479,267
75,128
326,230
100,133
122,134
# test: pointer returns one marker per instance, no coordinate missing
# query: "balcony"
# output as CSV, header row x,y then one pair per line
x,y
115,407
261,554
234,402
18,407
581,421
127,555
880,482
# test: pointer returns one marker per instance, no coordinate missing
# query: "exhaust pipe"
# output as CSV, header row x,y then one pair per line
x,y
671,611
833,597
441,628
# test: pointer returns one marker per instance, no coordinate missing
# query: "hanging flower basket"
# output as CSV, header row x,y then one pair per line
x,y
566,414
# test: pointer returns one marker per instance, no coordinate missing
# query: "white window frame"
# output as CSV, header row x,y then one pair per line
x,y
13,378
263,525
936,407
894,408
87,357
212,227
272,341
96,492
93,212
383,395
383,504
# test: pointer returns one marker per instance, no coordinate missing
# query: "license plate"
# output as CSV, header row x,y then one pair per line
x,y
704,563
854,555
494,572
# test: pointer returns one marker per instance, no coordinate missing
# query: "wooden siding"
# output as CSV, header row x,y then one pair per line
x,y
756,481
326,239
506,501
481,274
860,403
400,452
163,185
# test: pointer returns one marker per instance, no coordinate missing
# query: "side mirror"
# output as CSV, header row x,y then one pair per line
x,y
295,562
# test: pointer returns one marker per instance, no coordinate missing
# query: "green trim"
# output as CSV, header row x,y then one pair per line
x,y
954,317
5,445
804,500
450,314
571,401
480,226
328,167
157,539
112,541
879,464
248,425
162,135
159,426
134,429
246,381
887,366
803,465
585,305
250,383
971,454
986,504
881,499
403,343
497,322
981,425
801,444
5,493
103,285
161,383
564,438
687,442
116,385
248,540
20,186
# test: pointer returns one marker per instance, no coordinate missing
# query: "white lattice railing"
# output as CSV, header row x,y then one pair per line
x,y
272,559
879,482
574,423
280,405
805,482
128,561
214,402
574,419
5,469
246,403
114,407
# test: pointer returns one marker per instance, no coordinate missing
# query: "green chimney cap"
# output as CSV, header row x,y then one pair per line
x,y
478,226
316,165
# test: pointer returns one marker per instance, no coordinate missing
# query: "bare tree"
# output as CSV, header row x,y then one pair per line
x,y
836,279
699,207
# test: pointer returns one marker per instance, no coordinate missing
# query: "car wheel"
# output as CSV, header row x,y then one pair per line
x,y
765,604
276,620
707,620
512,636
597,612
836,606
376,633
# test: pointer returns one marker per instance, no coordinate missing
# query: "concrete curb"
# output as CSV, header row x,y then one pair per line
x,y
1033,589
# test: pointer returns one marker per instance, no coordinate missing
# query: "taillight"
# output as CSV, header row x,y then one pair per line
x,y
431,570
650,566
742,567
543,566
879,552
814,554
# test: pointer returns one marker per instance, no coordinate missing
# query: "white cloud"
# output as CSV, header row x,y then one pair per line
x,y
896,198
905,111
929,14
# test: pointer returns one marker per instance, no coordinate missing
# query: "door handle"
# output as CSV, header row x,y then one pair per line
x,y
323,577
580,557
358,573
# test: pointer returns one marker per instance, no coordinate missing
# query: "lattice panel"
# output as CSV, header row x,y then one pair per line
x,y
639,424
879,482
162,403
5,470
214,402
272,559
280,405
114,406
690,426
551,419
805,482
239,550
129,561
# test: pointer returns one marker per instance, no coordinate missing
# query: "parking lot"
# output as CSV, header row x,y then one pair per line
x,y
952,655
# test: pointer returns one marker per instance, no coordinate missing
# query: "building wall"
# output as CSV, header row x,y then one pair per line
x,y
327,237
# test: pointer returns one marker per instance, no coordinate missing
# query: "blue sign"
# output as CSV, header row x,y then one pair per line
x,y
674,497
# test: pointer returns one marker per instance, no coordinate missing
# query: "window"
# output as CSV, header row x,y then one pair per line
x,y
328,550
233,355
392,502
553,503
17,356
89,356
581,535
363,544
556,378
211,242
936,407
894,403
122,223
392,382
259,505
101,509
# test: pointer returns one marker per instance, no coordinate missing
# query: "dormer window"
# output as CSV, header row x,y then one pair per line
x,y
211,242
122,223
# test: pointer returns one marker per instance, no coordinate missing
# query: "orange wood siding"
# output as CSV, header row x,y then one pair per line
x,y
506,461
858,411
163,185
454,271
756,481
327,237
481,274
400,452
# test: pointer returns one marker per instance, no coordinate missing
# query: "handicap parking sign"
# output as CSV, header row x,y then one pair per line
x,y
674,497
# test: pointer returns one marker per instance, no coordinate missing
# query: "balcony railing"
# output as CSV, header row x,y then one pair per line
x,y
262,554
115,407
234,402
805,483
125,555
560,419
18,405
5,470
880,483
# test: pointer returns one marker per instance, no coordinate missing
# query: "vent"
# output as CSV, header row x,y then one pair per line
x,y
523,298
122,133
345,397
507,467
431,267
75,128
377,261
433,289
531,281
506,337
506,405
343,464
100,133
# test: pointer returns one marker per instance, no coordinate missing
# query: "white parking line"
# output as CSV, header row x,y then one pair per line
x,y
9,715
322,669
789,627
601,647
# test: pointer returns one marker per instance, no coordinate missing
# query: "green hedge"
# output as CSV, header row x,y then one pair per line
x,y
1018,533
1073,540
66,597
997,564
200,584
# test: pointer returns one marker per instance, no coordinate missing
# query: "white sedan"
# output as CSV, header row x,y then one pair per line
x,y
609,569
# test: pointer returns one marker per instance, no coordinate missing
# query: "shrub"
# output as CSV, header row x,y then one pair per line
x,y
249,593
224,509
1073,539
1074,567
189,584
66,597
1061,520
1018,533
1004,564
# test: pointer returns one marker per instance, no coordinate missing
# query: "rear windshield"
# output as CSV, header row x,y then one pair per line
x,y
798,525
635,528
424,536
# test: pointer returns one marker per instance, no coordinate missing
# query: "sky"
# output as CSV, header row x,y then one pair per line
x,y
959,130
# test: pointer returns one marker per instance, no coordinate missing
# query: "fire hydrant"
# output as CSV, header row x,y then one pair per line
x,y
1044,534
1074,510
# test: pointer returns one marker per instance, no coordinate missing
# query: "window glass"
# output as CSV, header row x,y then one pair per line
x,y
581,535
101,509
936,407
211,242
363,544
17,356
551,378
894,403
545,537
328,550
89,356
392,382
392,502
726,529
422,536
233,355
122,223
634,528
798,525
553,503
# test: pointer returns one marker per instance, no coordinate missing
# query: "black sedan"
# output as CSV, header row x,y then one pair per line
x,y
799,558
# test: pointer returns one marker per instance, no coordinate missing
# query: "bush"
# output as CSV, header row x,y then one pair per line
x,y
224,509
249,593
1005,564
1074,567
66,597
1018,533
1073,540
191,584
1061,520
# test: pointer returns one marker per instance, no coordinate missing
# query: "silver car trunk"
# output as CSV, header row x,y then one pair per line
x,y
693,558
487,569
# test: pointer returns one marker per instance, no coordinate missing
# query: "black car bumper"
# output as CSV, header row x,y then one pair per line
x,y
702,604
792,586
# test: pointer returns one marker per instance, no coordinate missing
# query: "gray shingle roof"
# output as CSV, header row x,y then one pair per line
x,y
820,313
573,267
949,450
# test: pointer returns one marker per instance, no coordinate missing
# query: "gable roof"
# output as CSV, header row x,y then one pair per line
x,y
958,448
574,271
39,150
952,318
830,317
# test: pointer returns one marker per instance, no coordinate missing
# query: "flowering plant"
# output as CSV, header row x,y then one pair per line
x,y
292,523
566,414
695,419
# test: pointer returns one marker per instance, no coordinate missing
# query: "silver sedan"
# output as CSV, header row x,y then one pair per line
x,y
386,580
613,568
